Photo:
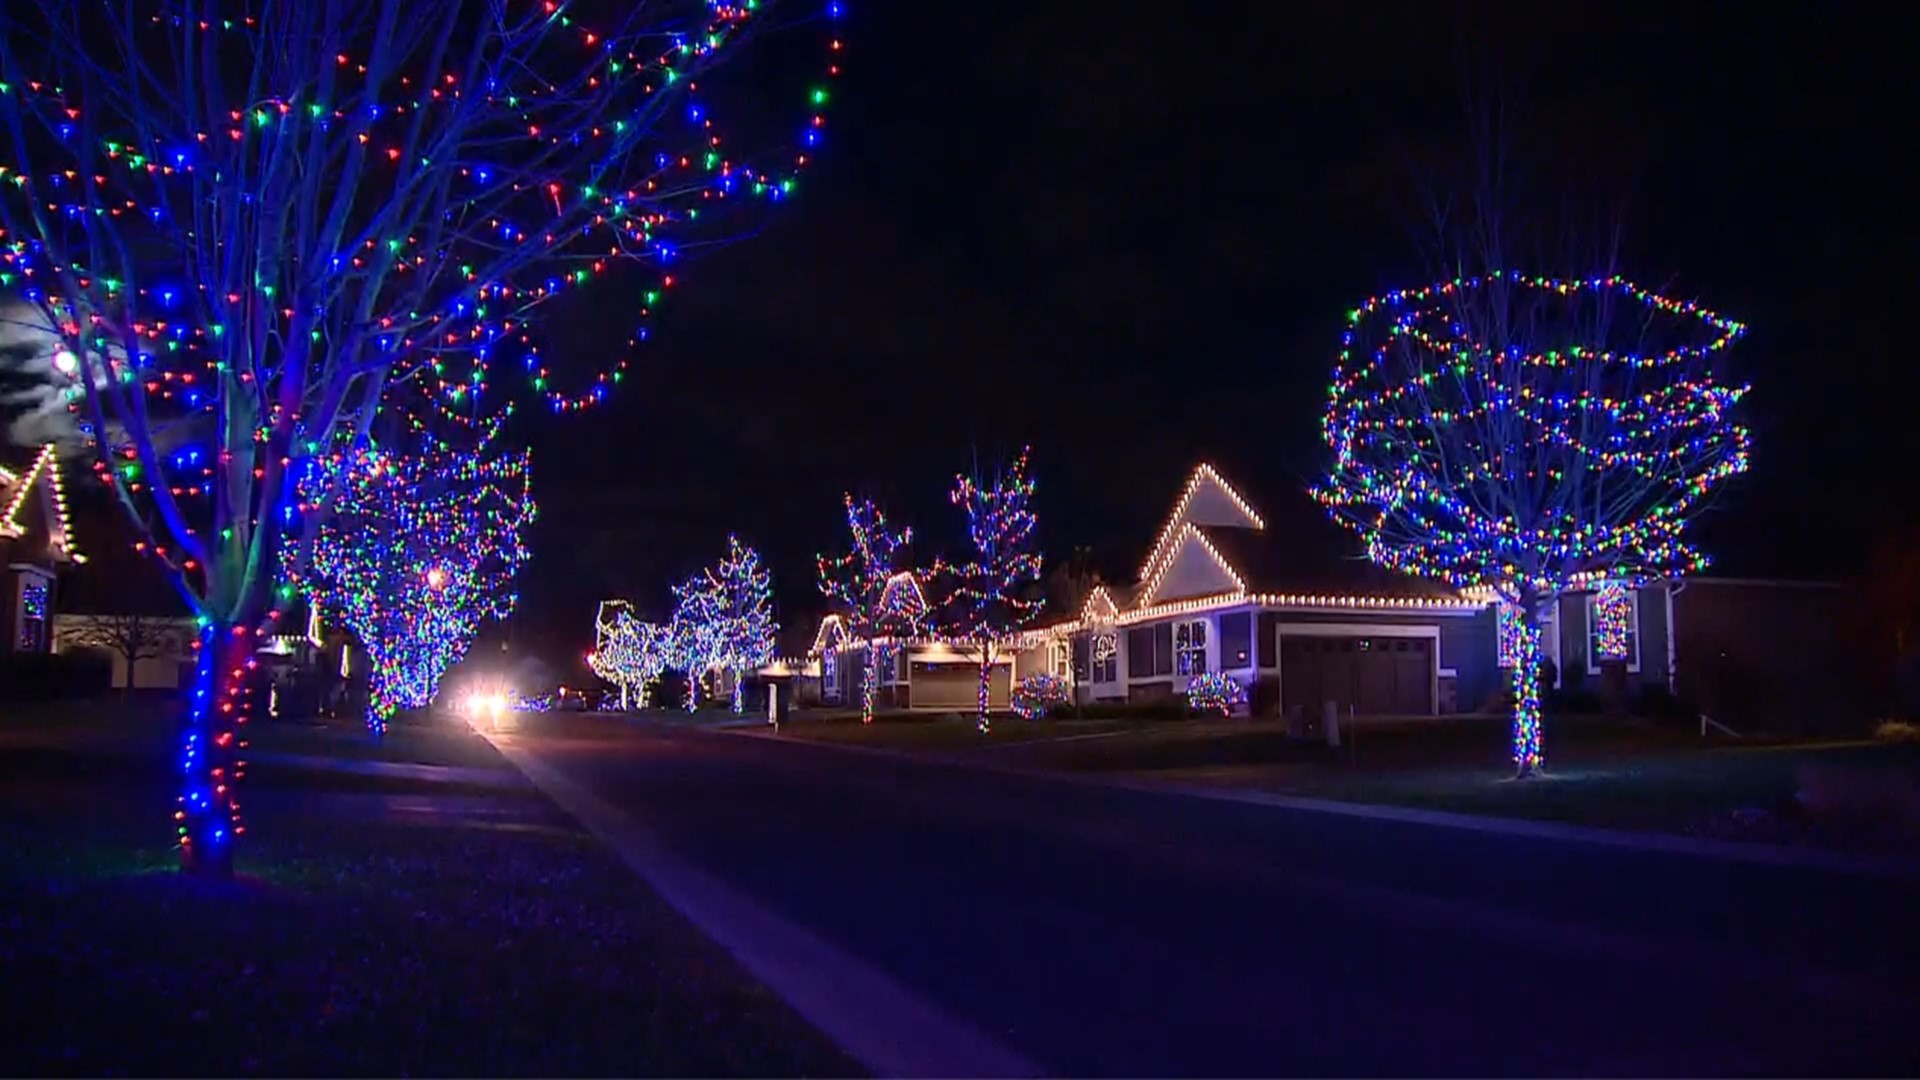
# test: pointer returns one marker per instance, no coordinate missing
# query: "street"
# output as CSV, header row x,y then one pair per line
x,y
1101,931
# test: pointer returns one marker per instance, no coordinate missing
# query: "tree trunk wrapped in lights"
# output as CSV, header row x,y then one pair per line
x,y
995,593
247,231
864,587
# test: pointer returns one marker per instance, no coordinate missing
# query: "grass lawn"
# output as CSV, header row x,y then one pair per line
x,y
938,731
1601,772
377,926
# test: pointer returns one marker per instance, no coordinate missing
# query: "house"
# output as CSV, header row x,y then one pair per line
x,y
1222,589
36,541
920,671
147,652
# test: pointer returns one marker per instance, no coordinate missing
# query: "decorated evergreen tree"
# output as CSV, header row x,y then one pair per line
x,y
246,233
994,594
857,585
413,554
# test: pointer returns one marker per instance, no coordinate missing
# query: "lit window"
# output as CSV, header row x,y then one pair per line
x,y
1627,620
1190,647
1106,658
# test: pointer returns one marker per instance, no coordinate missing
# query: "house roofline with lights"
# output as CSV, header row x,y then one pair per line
x,y
36,542
924,672
1222,590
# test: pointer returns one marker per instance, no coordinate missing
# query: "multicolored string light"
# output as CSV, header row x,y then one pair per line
x,y
415,552
744,634
1040,693
991,596
1212,692
1612,621
627,652
239,275
1519,434
862,589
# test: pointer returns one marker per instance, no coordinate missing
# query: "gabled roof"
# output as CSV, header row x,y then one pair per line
x,y
1298,556
43,476
1207,500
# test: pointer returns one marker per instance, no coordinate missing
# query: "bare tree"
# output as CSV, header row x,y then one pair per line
x,y
131,636
1523,435
264,225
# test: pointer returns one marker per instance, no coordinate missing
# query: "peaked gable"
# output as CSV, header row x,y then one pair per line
x,y
1207,500
40,485
1194,567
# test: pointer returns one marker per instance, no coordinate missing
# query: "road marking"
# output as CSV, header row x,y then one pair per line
x,y
1781,855
886,1027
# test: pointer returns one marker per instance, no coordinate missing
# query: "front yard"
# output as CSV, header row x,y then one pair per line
x,y
1602,772
379,925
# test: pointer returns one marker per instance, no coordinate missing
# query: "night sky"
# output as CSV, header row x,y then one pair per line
x,y
1127,235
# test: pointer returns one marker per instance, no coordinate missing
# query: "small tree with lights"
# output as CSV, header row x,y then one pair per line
x,y
246,233
693,637
627,652
414,553
994,594
860,586
744,627
1520,436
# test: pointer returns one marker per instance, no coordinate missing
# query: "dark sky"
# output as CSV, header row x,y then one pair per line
x,y
1127,234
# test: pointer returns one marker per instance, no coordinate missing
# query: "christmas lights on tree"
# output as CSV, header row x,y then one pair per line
x,y
238,272
415,552
743,610
628,653
693,641
861,587
994,594
1521,436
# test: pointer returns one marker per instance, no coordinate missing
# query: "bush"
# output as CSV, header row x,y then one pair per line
x,y
1172,709
1658,703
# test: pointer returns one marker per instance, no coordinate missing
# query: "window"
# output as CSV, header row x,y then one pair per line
x,y
1631,602
1190,647
1236,640
1081,666
1060,660
33,616
830,674
1140,652
1106,658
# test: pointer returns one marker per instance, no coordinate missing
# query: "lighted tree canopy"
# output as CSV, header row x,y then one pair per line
x,y
415,553
1524,436
252,226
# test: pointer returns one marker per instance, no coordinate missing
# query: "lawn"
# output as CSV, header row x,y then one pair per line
x,y
1602,772
378,925
938,731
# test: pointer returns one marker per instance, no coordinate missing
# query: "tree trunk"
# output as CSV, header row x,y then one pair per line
x,y
1528,758
739,698
868,671
208,815
986,681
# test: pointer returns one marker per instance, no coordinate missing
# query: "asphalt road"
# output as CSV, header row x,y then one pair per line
x,y
1107,932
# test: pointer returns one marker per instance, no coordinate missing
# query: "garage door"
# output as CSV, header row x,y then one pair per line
x,y
956,687
1370,675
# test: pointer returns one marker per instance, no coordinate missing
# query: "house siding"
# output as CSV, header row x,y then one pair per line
x,y
1772,656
